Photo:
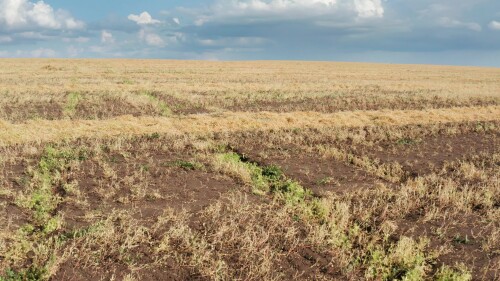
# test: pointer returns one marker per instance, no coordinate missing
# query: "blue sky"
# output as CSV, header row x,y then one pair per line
x,y
465,32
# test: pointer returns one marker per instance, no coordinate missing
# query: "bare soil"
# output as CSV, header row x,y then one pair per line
x,y
180,106
108,107
147,175
163,183
319,174
336,103
20,112
426,155
466,234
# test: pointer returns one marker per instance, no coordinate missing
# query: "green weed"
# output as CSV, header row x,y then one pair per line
x,y
42,199
71,103
272,173
291,191
30,274
162,106
404,261
250,172
266,179
446,273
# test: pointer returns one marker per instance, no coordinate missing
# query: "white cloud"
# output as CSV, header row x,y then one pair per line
x,y
452,23
233,41
495,25
24,14
292,9
369,8
74,24
143,19
280,4
107,37
151,39
43,53
43,15
177,21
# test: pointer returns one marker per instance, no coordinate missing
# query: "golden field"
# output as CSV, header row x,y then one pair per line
x,y
190,170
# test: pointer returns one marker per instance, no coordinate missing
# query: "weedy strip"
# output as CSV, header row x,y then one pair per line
x,y
161,105
72,101
41,198
405,259
132,210
270,180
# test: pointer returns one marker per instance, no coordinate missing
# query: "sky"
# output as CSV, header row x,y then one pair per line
x,y
452,32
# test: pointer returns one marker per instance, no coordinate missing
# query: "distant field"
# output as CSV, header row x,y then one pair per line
x,y
188,170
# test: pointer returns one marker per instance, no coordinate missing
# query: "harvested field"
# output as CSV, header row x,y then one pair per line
x,y
167,170
321,175
17,112
245,86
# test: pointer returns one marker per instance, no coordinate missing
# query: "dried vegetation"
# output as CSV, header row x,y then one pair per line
x,y
354,172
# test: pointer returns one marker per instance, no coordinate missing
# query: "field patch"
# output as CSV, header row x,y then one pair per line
x,y
352,101
156,169
319,174
107,107
178,105
463,236
421,155
231,122
23,111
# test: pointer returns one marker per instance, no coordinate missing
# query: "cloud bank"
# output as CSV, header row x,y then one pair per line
x,y
426,31
26,15
495,25
143,19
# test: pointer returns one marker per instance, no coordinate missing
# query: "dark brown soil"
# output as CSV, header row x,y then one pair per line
x,y
14,174
182,189
167,186
19,112
306,264
108,107
319,174
15,179
180,106
146,176
164,273
71,271
12,215
336,103
420,157
163,186
466,233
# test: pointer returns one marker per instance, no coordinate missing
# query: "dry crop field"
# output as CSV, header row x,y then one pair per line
x,y
187,170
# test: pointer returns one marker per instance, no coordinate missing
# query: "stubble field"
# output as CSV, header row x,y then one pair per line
x,y
186,170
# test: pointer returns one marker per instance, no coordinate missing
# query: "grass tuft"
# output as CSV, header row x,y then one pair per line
x,y
30,274
161,105
72,101
446,273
